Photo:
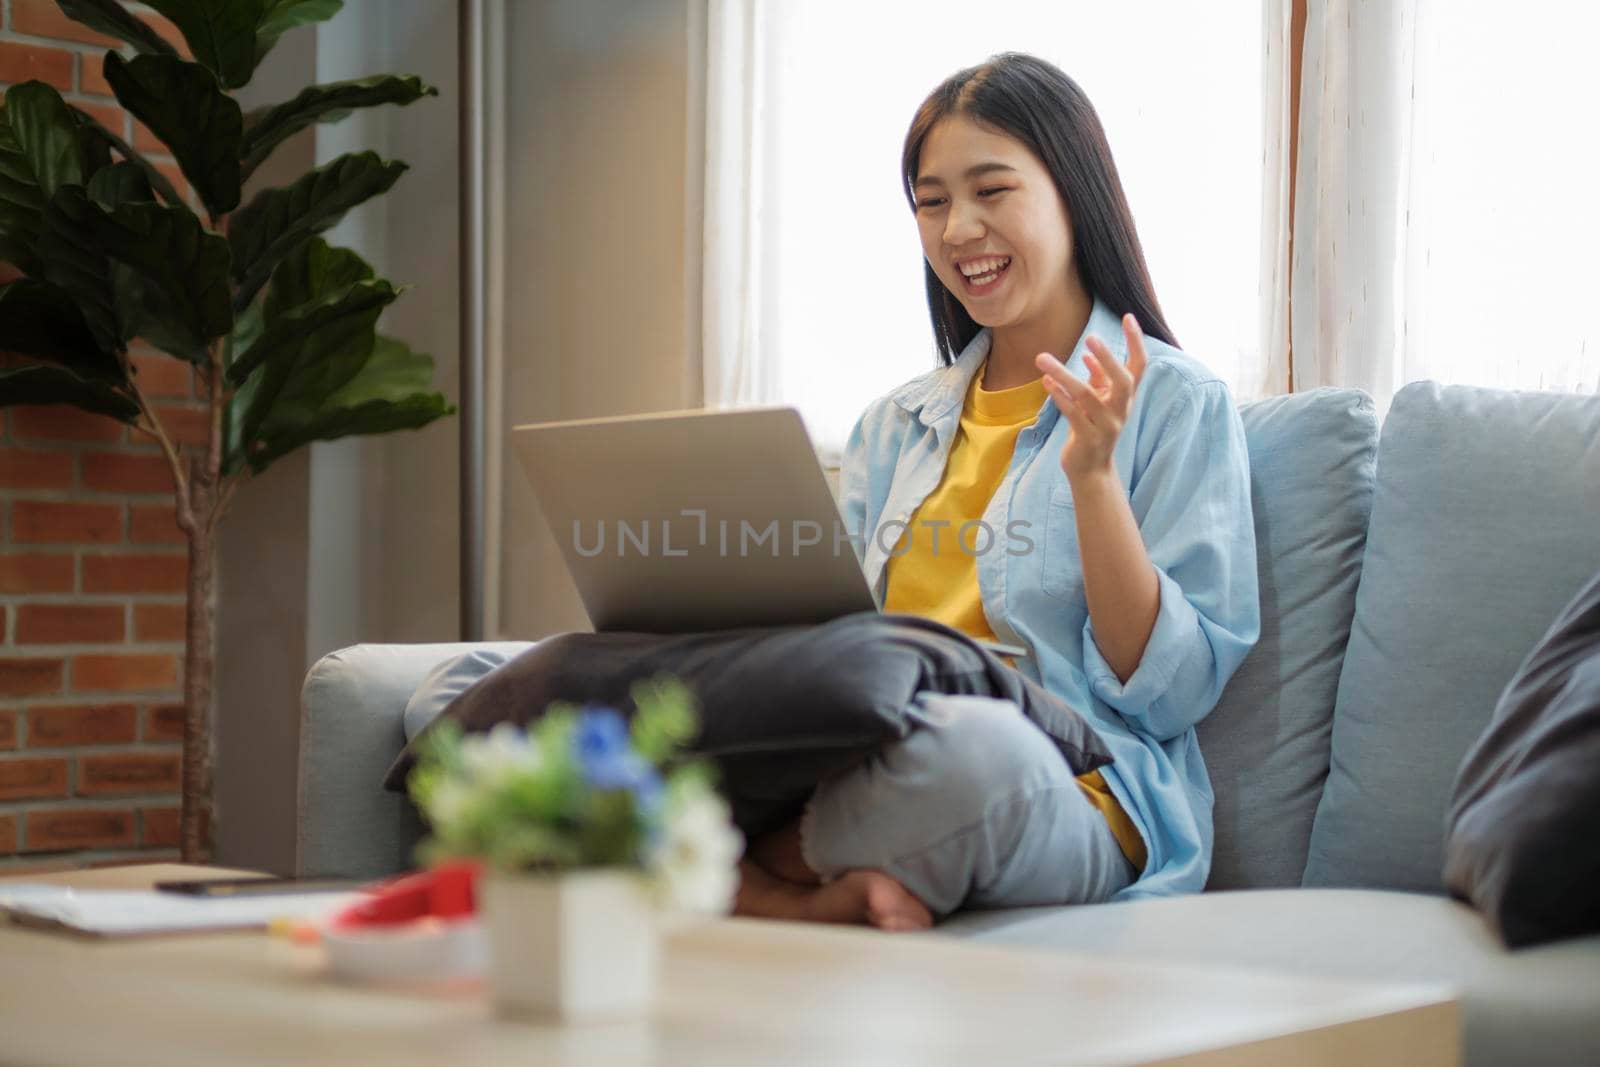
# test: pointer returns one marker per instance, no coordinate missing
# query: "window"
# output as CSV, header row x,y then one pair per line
x,y
845,318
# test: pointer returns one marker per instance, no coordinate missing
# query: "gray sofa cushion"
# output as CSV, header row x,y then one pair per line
x,y
1524,843
1530,1008
1266,742
1484,523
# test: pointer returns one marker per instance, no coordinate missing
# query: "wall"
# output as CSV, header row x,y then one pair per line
x,y
92,569
602,315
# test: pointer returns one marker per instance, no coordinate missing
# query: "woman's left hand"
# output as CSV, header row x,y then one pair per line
x,y
1097,410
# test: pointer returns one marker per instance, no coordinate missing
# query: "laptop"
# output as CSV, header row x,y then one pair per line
x,y
680,521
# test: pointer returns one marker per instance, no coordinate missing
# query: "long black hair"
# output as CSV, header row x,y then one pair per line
x,y
1035,102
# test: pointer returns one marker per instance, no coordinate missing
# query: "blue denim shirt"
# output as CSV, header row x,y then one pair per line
x,y
1181,457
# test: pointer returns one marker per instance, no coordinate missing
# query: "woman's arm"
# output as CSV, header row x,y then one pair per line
x,y
1119,580
1186,525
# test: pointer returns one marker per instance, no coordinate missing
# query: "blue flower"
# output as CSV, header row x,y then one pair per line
x,y
607,759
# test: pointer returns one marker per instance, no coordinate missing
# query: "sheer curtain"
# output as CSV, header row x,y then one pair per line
x,y
813,279
1445,209
1499,269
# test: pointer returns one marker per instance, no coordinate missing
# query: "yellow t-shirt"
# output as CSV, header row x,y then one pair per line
x,y
936,576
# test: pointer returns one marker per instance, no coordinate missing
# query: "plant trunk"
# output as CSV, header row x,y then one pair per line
x,y
195,823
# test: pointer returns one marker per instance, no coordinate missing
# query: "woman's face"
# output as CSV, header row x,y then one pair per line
x,y
992,223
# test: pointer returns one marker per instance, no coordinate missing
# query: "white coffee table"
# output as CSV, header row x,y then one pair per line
x,y
734,991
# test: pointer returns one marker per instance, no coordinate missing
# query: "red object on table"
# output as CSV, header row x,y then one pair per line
x,y
445,892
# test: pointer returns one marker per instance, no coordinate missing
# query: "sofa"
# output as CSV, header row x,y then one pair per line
x,y
1404,576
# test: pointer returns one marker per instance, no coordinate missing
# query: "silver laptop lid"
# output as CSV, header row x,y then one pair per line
x,y
695,520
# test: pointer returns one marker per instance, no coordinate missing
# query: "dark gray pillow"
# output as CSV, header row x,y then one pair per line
x,y
781,708
1524,838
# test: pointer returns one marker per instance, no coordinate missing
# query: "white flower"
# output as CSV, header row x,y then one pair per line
x,y
448,804
696,862
494,758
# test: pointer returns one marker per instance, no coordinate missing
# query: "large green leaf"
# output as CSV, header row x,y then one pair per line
x,y
221,33
175,270
284,15
111,18
306,354
42,320
120,183
91,126
46,133
182,104
393,390
276,221
107,294
311,272
45,383
324,103
21,203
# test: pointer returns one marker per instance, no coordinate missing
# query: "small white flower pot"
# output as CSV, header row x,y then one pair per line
x,y
577,946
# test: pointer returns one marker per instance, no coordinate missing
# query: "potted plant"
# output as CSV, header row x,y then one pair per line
x,y
588,828
279,327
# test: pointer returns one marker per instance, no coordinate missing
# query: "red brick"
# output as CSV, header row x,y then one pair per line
x,y
8,730
91,76
108,115
160,827
20,677
160,375
116,472
24,779
42,522
135,574
63,725
61,624
174,175
43,18
23,468
184,425
54,831
154,524
124,671
160,622
24,62
8,834
141,772
61,422
21,573
163,722
145,141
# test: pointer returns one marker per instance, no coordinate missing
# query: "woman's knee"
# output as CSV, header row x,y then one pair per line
x,y
981,748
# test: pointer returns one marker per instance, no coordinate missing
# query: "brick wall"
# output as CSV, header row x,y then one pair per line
x,y
92,566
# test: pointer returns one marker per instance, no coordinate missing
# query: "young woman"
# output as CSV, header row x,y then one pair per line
x,y
1109,471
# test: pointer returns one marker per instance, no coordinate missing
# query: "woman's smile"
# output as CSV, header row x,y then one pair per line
x,y
983,275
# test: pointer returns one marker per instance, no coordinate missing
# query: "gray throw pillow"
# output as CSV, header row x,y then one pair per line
x,y
1524,839
781,708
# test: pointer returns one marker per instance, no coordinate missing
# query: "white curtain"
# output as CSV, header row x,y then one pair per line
x,y
1276,223
1445,214
1354,118
736,313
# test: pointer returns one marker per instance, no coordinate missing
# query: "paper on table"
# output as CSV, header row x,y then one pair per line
x,y
120,912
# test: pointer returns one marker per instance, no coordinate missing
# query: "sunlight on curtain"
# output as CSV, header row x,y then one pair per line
x,y
1177,86
1500,266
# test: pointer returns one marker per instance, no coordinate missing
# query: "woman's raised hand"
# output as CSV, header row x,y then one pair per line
x,y
1097,410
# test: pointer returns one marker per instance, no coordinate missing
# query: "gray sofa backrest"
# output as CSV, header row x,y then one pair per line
x,y
1266,743
1485,522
